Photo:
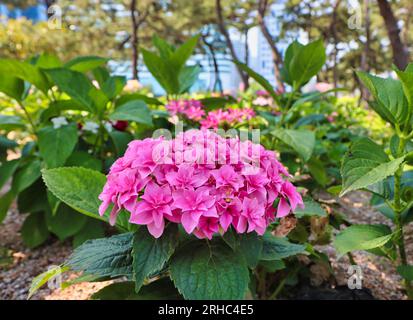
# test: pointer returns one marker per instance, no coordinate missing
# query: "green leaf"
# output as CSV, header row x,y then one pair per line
x,y
162,289
164,48
187,77
273,265
85,63
56,145
25,71
365,164
390,102
275,248
250,246
260,79
120,141
7,170
44,277
26,176
362,237
137,96
85,160
135,110
65,223
75,84
92,229
211,272
318,171
79,188
12,86
104,257
406,272
183,53
302,141
5,202
311,208
150,254
291,51
406,78
165,74
11,122
34,230
307,62
113,86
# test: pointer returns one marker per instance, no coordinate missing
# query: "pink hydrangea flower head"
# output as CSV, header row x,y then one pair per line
x,y
201,180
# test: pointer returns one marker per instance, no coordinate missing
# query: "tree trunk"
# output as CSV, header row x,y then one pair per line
x,y
276,56
400,53
246,48
335,40
224,31
217,78
135,53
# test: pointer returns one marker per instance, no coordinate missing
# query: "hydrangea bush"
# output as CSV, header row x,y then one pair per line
x,y
202,181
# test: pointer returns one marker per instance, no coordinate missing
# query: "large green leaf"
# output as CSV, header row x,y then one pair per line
x,y
56,145
7,169
302,141
150,254
25,71
85,63
79,188
104,257
390,102
365,164
275,248
162,289
26,176
307,62
113,86
291,51
34,230
75,84
183,53
187,77
165,74
362,237
214,271
66,222
12,86
135,110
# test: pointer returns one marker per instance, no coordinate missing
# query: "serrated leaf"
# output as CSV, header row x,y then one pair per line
x,y
104,257
212,272
302,141
150,254
56,145
365,164
135,110
390,102
275,248
362,237
79,188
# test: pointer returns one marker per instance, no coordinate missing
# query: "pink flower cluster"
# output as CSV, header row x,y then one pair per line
x,y
201,180
218,117
193,110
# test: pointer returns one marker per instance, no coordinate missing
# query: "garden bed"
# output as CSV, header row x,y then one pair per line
x,y
21,265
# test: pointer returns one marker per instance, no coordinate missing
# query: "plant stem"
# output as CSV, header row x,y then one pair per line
x,y
278,289
29,118
398,212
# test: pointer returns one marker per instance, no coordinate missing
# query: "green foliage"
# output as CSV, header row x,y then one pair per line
x,y
365,164
362,237
150,254
135,110
34,230
302,141
209,272
56,145
169,67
